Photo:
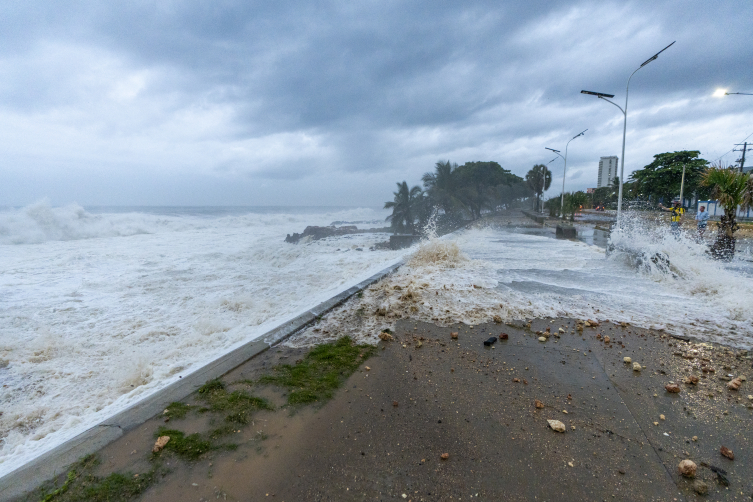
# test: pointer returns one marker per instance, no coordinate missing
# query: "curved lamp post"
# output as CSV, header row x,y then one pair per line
x,y
603,96
564,171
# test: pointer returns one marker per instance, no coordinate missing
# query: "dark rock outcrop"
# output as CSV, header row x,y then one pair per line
x,y
317,233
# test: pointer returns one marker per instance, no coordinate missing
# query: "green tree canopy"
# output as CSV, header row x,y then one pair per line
x,y
662,177
478,184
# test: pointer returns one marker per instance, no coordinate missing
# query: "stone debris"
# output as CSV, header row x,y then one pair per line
x,y
687,468
662,417
538,404
727,452
672,387
542,339
160,443
504,336
497,319
394,403
490,341
637,367
627,360
700,487
556,425
561,330
516,380
735,384
444,456
606,339
750,397
691,380
386,336
367,368
454,335
695,438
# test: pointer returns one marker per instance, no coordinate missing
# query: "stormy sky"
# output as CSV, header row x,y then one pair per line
x,y
331,103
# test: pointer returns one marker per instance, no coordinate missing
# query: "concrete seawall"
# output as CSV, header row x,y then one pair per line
x,y
50,464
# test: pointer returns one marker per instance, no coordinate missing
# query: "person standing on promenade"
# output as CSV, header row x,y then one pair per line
x,y
702,217
676,217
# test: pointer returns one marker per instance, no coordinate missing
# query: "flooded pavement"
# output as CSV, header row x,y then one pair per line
x,y
426,394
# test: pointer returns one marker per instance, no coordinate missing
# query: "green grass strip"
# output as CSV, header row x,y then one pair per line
x,y
321,372
81,485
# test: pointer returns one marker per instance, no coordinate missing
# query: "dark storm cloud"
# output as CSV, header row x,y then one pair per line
x,y
285,90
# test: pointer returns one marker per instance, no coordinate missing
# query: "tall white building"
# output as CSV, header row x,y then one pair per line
x,y
607,171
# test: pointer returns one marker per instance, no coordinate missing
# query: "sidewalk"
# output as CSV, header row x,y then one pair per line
x,y
382,436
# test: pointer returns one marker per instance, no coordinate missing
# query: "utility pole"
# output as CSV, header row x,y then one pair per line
x,y
682,185
743,149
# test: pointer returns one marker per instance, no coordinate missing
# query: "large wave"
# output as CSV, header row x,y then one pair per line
x,y
41,222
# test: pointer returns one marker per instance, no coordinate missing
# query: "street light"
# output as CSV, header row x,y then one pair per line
x,y
723,92
603,96
564,172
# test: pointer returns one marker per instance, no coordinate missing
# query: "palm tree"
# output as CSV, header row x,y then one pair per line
x,y
441,185
538,179
732,189
405,207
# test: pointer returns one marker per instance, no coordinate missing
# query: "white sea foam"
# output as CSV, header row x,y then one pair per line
x,y
99,310
484,273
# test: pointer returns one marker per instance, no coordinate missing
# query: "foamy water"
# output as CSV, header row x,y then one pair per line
x,y
99,310
483,273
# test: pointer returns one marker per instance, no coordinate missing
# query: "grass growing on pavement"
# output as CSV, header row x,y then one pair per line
x,y
237,405
189,447
177,410
320,372
82,485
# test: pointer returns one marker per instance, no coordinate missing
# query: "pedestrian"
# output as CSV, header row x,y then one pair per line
x,y
675,219
702,217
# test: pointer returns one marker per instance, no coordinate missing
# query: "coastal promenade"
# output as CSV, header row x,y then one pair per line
x,y
425,394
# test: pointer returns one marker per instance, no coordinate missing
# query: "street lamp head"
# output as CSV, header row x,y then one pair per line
x,y
579,134
598,94
656,55
720,92
552,149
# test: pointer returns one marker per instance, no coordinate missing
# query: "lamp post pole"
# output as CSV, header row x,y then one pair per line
x,y
564,171
624,123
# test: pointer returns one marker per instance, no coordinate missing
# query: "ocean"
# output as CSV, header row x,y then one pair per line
x,y
101,306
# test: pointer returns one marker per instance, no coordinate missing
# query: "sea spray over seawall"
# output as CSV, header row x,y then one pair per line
x,y
438,284
689,268
478,274
90,324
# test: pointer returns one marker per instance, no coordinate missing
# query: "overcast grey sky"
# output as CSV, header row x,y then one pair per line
x,y
331,103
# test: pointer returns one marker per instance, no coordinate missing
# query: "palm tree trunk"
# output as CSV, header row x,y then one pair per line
x,y
724,246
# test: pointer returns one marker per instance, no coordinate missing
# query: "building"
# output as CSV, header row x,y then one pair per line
x,y
607,171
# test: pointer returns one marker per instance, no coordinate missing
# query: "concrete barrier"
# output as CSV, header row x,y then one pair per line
x,y
566,232
48,465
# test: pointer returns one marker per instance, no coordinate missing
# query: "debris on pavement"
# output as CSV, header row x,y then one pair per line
x,y
160,443
687,468
727,452
556,425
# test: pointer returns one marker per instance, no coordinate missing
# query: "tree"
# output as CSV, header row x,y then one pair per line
x,y
405,207
732,189
538,179
440,186
573,202
477,185
661,179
